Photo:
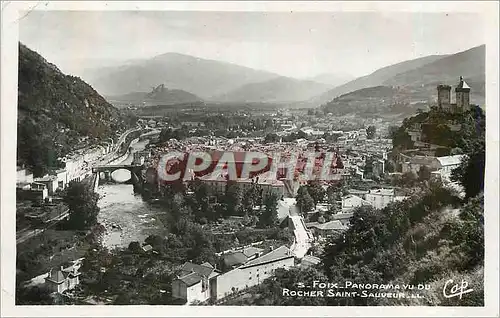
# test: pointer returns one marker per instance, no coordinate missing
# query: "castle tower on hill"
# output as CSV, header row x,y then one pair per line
x,y
462,97
462,92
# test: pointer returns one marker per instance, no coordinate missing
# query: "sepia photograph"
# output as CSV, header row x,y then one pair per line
x,y
250,157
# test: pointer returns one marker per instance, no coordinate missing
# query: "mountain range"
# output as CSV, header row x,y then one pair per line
x,y
202,77
420,76
277,90
190,78
406,91
209,79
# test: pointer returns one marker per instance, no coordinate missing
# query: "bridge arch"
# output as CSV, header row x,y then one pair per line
x,y
106,173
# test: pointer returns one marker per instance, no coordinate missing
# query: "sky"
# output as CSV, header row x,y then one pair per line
x,y
296,44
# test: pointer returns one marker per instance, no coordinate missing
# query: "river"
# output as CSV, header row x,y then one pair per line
x,y
125,215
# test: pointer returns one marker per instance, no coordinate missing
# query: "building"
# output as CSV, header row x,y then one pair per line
x,y
31,191
236,258
62,178
253,272
50,182
344,218
413,164
327,229
462,97
78,164
194,282
138,159
378,167
350,201
60,280
192,124
380,198
447,164
415,132
23,176
264,183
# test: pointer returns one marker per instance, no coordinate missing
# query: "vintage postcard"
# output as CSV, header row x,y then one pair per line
x,y
189,158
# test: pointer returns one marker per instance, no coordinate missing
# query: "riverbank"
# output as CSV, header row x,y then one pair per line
x,y
123,213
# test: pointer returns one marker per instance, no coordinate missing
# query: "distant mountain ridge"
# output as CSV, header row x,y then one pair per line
x,y
210,80
415,85
376,78
201,77
331,79
277,90
470,64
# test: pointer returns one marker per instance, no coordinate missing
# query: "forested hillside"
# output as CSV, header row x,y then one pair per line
x,y
378,100
56,112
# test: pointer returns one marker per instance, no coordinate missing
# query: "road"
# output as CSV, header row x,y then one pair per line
x,y
114,152
302,239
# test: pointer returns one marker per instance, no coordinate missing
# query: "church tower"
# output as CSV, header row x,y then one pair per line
x,y
462,92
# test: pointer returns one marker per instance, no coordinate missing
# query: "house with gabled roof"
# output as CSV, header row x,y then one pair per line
x,y
60,280
253,272
351,201
236,258
193,282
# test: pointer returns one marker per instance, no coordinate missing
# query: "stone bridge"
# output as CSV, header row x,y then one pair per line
x,y
104,172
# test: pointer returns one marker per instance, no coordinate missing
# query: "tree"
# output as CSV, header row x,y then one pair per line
x,y
269,217
135,247
123,299
424,173
82,203
36,295
370,132
251,198
316,192
408,179
368,169
200,203
304,200
232,198
401,139
389,166
271,137
270,292
469,233
470,173
392,131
